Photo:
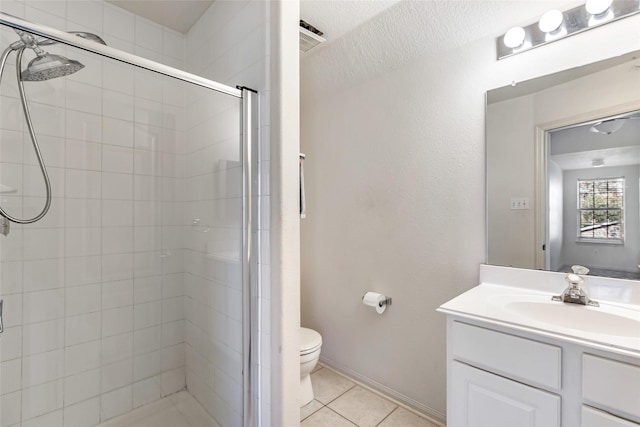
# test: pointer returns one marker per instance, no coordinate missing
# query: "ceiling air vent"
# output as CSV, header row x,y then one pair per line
x,y
310,37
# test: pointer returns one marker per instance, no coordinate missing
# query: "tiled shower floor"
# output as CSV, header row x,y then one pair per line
x,y
178,410
341,403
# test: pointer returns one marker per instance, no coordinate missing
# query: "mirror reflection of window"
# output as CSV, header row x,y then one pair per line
x,y
600,210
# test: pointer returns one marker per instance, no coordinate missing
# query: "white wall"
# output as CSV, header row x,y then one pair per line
x,y
596,255
95,315
510,171
284,214
395,188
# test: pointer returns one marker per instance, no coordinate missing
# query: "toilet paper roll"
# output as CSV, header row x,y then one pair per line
x,y
374,299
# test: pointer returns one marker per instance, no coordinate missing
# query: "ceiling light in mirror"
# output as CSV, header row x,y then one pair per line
x,y
607,127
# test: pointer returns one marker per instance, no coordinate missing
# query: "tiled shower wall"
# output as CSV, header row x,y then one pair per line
x,y
93,293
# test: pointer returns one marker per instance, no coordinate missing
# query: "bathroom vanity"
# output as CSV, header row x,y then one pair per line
x,y
517,358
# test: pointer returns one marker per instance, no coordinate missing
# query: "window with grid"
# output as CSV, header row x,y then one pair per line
x,y
601,210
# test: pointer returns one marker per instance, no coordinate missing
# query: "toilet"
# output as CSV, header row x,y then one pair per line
x,y
310,343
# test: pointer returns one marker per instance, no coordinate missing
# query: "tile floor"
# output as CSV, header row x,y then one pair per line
x,y
338,403
178,410
341,403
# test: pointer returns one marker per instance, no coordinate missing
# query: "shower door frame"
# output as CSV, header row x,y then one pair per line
x,y
250,183
109,52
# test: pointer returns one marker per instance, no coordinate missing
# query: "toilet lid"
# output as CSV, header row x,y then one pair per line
x,y
309,340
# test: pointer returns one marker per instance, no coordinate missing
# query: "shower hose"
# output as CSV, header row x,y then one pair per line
x,y
34,140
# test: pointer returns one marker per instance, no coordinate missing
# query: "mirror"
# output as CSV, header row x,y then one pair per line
x,y
563,170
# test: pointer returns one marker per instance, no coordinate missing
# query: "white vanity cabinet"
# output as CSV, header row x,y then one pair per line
x,y
498,379
595,418
503,376
611,386
482,399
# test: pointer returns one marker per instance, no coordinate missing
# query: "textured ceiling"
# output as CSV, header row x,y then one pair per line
x,y
336,18
178,15
412,29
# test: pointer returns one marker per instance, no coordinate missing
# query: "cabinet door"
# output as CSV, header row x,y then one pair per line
x,y
611,385
481,399
593,418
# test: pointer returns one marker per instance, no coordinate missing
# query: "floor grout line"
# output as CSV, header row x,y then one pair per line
x,y
339,396
388,415
396,406
342,416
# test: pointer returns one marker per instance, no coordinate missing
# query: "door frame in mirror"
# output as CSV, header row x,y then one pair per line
x,y
541,153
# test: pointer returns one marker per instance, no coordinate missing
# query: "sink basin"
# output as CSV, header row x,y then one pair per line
x,y
598,320
614,325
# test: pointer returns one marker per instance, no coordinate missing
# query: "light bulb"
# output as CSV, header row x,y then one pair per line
x,y
514,37
596,7
601,18
555,34
551,21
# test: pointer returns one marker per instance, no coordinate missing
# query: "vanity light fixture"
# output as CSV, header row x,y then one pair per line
x,y
556,25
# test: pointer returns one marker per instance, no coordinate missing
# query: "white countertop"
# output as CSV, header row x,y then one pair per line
x,y
614,326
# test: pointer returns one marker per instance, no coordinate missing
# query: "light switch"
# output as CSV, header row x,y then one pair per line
x,y
519,203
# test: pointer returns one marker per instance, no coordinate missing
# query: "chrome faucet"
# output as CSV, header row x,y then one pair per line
x,y
574,293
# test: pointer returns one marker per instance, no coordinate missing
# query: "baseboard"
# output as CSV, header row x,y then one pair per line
x,y
408,403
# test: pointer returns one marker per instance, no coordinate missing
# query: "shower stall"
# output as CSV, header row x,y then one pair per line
x,y
127,255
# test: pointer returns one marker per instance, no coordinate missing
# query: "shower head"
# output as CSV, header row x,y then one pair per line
x,y
46,65
89,36
49,66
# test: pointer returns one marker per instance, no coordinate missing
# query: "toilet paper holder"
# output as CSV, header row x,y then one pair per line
x,y
386,301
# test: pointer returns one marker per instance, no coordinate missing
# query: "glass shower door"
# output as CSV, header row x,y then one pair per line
x,y
129,291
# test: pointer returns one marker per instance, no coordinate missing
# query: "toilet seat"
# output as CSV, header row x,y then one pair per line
x,y
310,341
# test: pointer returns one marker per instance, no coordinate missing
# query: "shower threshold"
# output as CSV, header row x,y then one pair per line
x,y
178,410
